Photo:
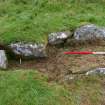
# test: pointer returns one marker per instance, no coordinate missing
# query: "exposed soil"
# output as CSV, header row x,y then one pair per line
x,y
59,65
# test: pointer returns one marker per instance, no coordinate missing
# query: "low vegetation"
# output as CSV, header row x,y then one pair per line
x,y
32,20
31,88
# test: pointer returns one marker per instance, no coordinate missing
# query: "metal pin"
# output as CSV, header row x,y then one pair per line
x,y
20,61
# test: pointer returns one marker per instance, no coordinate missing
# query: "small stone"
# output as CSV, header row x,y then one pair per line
x,y
69,77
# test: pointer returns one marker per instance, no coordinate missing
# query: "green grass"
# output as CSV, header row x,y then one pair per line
x,y
88,90
31,88
32,20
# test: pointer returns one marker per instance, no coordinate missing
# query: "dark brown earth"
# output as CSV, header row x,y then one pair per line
x,y
58,65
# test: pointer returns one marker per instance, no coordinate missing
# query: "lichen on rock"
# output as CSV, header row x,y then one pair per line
x,y
89,32
30,50
57,38
3,60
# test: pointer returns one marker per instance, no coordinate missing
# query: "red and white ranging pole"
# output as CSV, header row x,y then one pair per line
x,y
84,53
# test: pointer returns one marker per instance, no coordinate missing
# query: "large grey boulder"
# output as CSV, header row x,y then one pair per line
x,y
28,50
3,60
96,71
58,37
89,32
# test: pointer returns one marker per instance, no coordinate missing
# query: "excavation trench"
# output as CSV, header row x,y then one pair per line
x,y
58,65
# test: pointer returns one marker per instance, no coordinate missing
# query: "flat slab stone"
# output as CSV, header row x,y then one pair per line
x,y
96,71
3,60
30,50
